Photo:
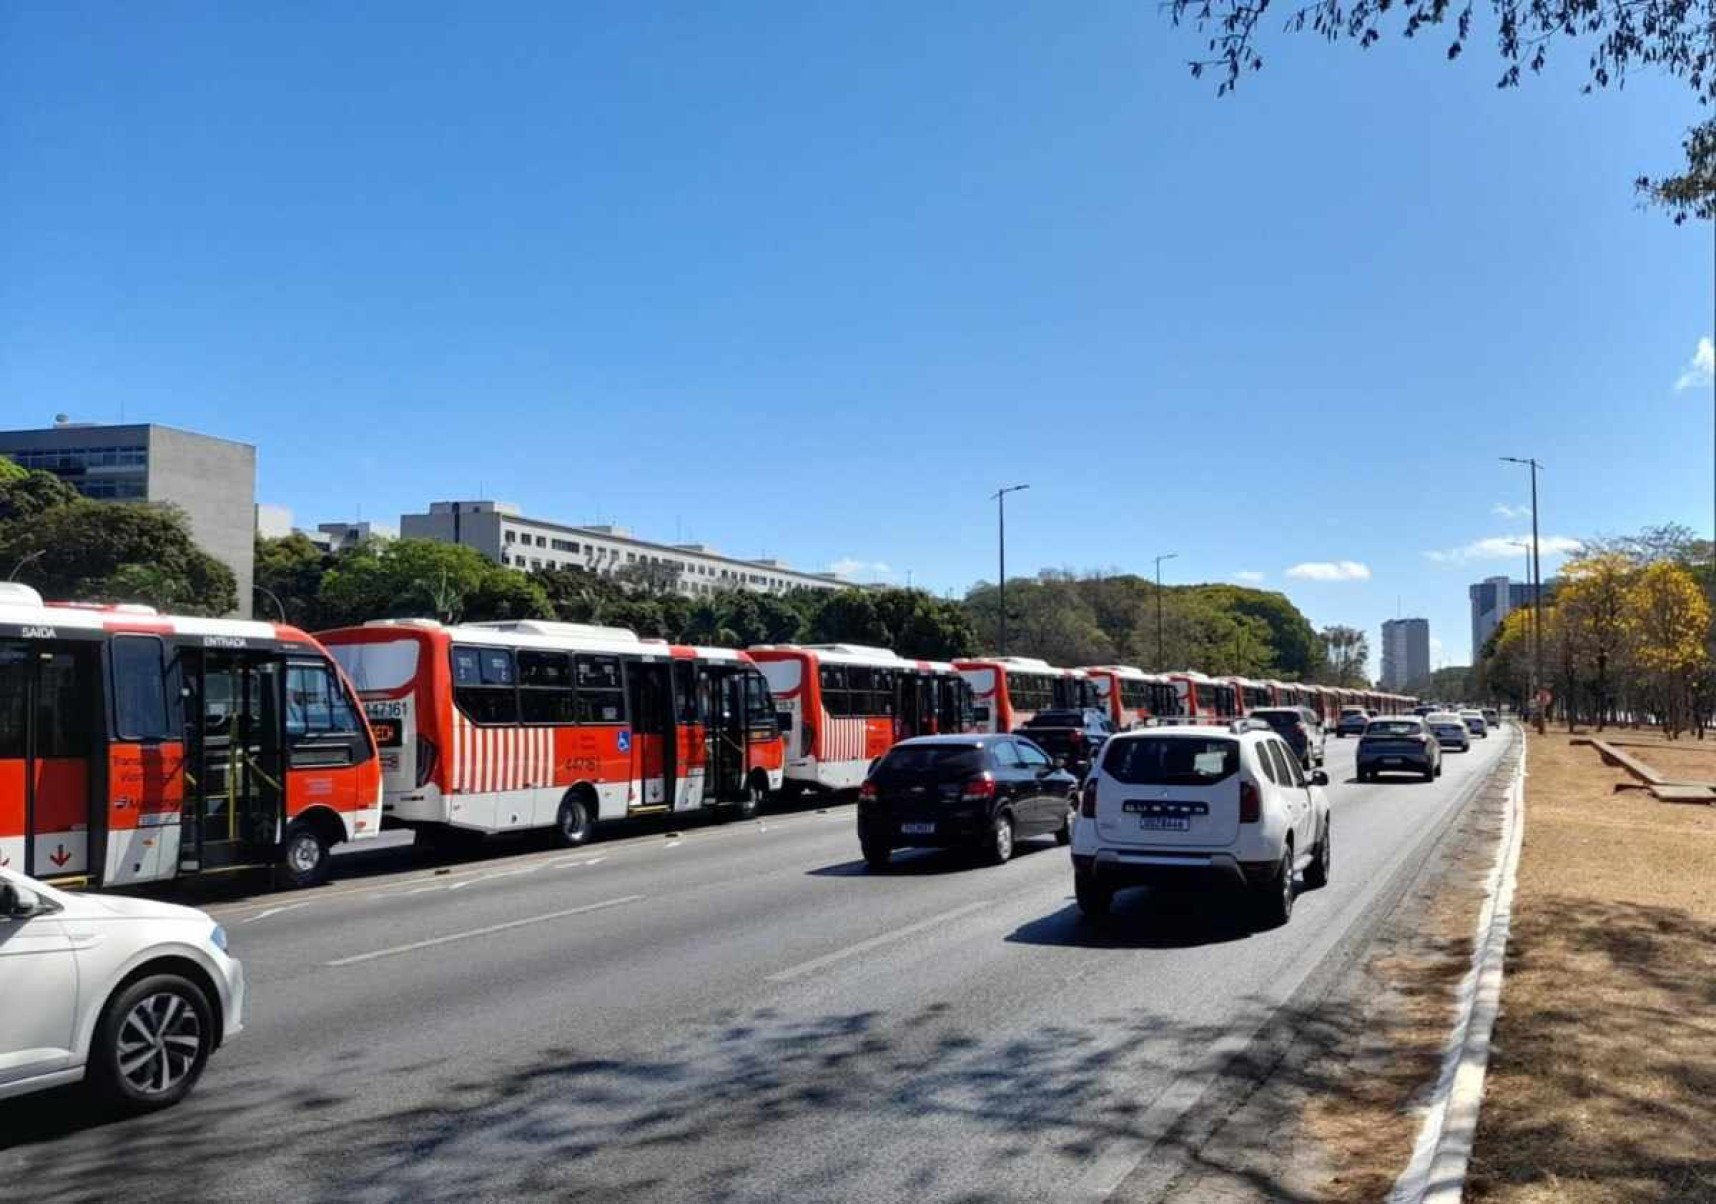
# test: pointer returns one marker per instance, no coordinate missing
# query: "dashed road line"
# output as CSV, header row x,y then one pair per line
x,y
487,930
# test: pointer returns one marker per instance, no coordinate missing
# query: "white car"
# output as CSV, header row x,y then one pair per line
x,y
130,994
1225,808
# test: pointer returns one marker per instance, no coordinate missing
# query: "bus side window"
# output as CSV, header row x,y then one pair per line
x,y
140,710
484,685
601,691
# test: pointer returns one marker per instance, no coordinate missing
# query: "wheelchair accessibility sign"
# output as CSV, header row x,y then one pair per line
x,y
624,740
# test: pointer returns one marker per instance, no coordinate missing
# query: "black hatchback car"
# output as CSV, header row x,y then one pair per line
x,y
980,792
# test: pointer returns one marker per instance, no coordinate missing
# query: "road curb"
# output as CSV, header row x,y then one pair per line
x,y
1436,1173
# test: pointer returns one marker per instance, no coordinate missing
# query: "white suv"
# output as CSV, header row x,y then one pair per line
x,y
1205,807
129,993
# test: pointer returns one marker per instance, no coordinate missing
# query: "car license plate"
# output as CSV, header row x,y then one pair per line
x,y
1165,823
917,829
1392,761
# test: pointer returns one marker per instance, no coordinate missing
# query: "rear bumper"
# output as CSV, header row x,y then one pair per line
x,y
949,828
1171,869
1396,763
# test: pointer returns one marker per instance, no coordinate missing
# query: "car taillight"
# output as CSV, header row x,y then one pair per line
x,y
867,790
1250,803
1078,737
426,755
979,788
1087,800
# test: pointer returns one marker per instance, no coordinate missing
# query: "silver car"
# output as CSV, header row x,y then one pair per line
x,y
1450,730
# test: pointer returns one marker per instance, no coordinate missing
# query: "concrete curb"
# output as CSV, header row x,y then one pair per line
x,y
1436,1173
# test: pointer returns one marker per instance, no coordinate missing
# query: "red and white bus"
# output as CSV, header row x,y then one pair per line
x,y
1252,694
1006,691
1132,697
934,700
137,747
840,707
494,727
1204,699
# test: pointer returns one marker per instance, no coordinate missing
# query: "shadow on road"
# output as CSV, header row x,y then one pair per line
x,y
908,863
1142,919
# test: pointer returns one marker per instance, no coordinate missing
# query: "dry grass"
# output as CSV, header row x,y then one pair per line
x,y
1603,1082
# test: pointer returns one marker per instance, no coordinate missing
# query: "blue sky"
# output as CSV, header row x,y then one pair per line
x,y
812,281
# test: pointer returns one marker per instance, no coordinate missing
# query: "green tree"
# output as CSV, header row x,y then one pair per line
x,y
291,569
25,494
422,577
1348,651
1676,38
117,552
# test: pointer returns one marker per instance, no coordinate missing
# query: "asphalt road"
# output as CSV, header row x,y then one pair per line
x,y
740,1012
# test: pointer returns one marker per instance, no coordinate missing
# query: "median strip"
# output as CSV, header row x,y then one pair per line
x,y
487,930
875,942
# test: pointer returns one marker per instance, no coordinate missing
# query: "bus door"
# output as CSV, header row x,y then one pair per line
x,y
49,713
234,767
654,733
691,744
727,749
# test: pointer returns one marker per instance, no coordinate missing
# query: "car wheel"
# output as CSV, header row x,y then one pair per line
x,y
1094,900
1317,873
876,856
151,1044
1274,897
304,858
1063,834
998,849
1430,774
1365,775
572,823
1438,769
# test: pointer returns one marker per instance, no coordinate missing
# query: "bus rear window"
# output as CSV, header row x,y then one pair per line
x,y
377,668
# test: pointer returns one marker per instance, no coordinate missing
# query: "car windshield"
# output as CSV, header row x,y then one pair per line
x,y
1171,761
916,760
1395,727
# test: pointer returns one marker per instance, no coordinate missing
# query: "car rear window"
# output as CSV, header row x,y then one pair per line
x,y
1056,719
1171,761
1395,727
937,759
1280,720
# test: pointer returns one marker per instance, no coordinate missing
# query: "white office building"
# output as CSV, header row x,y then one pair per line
x,y
500,532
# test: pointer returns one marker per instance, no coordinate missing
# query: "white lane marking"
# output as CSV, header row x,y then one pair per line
x,y
864,946
431,942
274,911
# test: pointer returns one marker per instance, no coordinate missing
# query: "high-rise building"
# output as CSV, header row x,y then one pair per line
x,y
212,480
1405,652
500,532
1493,599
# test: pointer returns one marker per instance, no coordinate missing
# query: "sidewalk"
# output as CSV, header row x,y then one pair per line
x,y
1602,1086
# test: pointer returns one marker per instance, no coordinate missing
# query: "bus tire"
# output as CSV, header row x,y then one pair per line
x,y
751,801
572,823
304,857
167,1010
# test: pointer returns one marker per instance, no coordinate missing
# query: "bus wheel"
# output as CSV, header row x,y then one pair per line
x,y
572,823
749,803
304,856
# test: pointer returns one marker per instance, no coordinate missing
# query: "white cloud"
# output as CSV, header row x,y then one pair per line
x,y
1248,575
1505,547
1330,570
1503,510
1701,372
848,566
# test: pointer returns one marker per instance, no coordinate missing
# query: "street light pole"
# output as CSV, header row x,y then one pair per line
x,y
25,559
1536,593
1001,527
272,597
1159,655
